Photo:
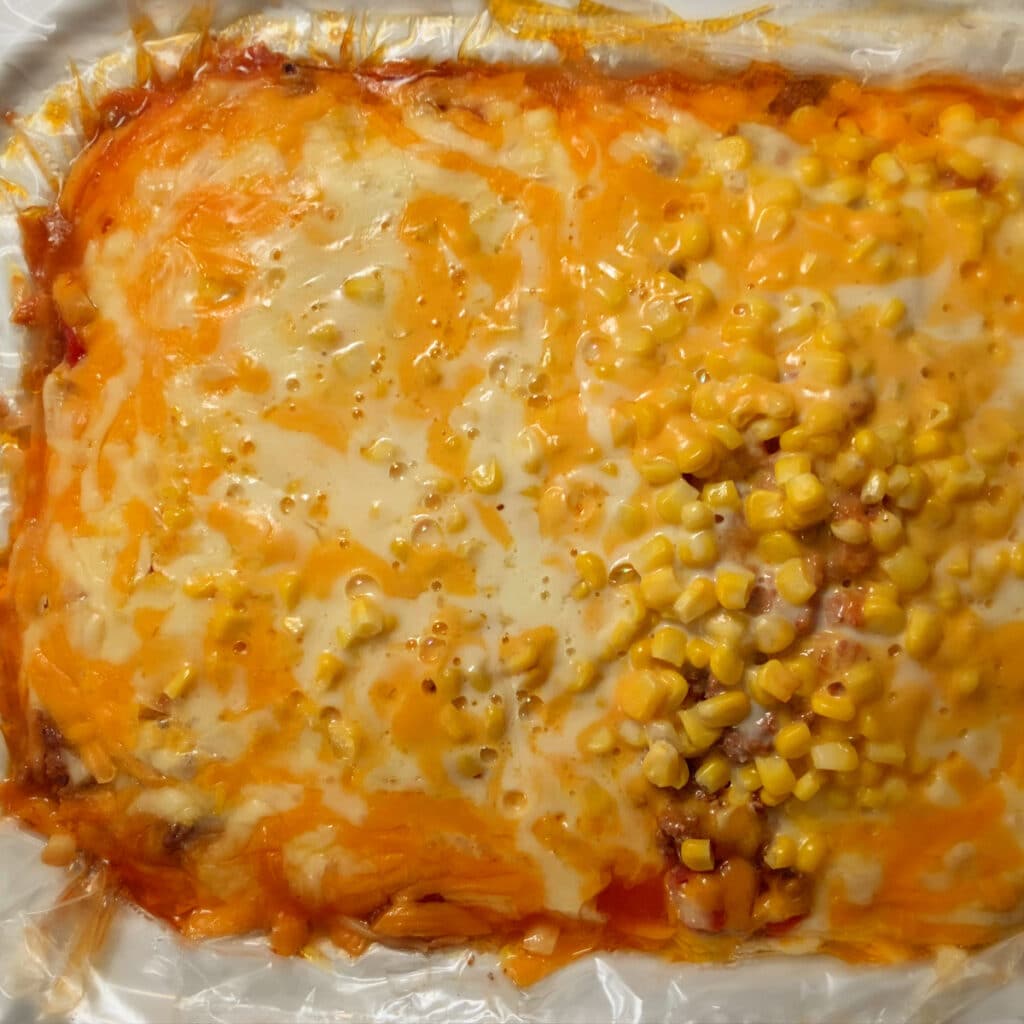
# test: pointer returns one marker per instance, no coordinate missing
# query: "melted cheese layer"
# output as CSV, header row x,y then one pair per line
x,y
476,484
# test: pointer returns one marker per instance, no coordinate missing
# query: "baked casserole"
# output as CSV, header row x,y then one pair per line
x,y
530,508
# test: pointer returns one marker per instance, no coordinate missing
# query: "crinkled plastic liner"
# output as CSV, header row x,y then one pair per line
x,y
144,971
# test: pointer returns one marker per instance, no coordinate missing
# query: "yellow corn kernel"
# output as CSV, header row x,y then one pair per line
x,y
697,599
930,444
583,673
733,588
732,153
663,767
806,500
200,586
923,633
886,531
838,706
694,237
959,202
849,531
777,546
810,854
724,709
631,518
381,451
648,419
1016,561
671,499
773,633
180,682
599,741
289,586
641,694
698,732
793,740
721,495
747,778
776,775
794,581
726,665
965,681
875,488
329,669
694,454
775,679
886,167
696,854
365,285
698,549
676,687
487,477
947,596
834,756
659,471
862,682
908,569
763,511
892,313
660,588
698,652
456,723
825,368
966,165
807,786
713,773
524,651
811,170
366,619
695,515
875,451
725,627
890,752
494,721
669,644
611,285
345,738
781,853
777,192
592,569
654,553
957,121
623,428
882,610
849,469
228,624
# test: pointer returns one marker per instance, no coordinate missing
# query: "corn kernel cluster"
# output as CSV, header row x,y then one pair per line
x,y
822,508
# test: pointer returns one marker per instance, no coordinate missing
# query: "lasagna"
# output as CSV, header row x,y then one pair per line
x,y
530,509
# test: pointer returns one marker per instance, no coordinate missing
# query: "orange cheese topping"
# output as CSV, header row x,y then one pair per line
x,y
537,509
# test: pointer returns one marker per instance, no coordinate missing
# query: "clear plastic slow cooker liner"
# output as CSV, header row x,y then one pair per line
x,y
52,965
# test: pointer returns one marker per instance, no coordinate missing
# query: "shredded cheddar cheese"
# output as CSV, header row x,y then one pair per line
x,y
533,508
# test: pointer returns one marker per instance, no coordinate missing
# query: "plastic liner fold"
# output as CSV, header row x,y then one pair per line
x,y
145,972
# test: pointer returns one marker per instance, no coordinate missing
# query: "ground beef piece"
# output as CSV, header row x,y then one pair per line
x,y
698,679
844,607
176,836
52,770
741,743
845,562
796,93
